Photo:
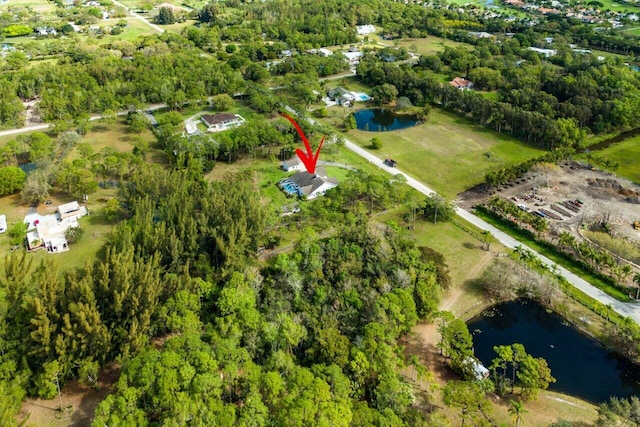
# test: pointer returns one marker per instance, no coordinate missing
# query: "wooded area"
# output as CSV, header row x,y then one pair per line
x,y
309,337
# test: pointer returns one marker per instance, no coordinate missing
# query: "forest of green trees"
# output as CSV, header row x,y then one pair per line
x,y
207,334
310,338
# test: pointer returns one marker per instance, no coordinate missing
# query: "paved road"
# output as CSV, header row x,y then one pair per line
x,y
625,309
43,126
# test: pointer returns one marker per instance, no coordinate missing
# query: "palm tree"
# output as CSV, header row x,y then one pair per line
x,y
523,254
636,280
625,271
486,234
566,240
517,410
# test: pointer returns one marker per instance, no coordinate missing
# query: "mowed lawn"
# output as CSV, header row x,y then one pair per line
x,y
627,155
424,45
134,29
448,152
41,6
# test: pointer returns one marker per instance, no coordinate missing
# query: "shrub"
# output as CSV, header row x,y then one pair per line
x,y
17,30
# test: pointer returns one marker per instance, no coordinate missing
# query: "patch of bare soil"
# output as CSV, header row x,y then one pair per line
x,y
603,197
78,400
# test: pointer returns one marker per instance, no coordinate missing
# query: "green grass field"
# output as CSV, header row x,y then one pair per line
x,y
41,6
134,29
633,31
463,252
617,6
626,154
448,152
424,46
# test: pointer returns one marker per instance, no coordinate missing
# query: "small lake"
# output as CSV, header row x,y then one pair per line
x,y
582,367
382,120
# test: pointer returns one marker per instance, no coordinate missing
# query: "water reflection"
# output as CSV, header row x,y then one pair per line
x,y
582,367
381,120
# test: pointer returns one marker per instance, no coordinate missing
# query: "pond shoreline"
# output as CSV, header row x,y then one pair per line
x,y
383,120
576,360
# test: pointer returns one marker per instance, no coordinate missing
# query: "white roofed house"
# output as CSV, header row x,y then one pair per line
x,y
71,210
341,96
292,164
547,53
48,231
363,30
353,57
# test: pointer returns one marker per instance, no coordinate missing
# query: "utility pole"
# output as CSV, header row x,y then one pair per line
x,y
59,394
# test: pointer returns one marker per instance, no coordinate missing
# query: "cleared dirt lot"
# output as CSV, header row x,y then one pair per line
x,y
557,191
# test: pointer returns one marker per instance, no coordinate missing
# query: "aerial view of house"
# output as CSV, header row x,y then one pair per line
x,y
305,185
221,121
462,84
48,231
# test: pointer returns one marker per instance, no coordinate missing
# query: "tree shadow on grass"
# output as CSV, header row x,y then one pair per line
x,y
469,245
100,128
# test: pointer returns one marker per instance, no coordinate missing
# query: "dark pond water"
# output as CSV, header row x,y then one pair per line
x,y
381,120
581,366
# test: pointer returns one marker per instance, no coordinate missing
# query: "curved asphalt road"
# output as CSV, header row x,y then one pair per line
x,y
625,309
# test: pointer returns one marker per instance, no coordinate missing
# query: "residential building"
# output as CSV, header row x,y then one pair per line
x,y
341,96
547,53
306,185
481,35
363,30
48,231
461,84
71,210
3,223
222,121
292,164
191,128
324,52
353,57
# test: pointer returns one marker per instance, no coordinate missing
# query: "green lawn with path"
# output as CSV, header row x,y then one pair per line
x,y
448,153
423,45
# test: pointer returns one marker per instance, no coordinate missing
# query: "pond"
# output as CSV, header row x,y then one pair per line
x,y
581,366
381,120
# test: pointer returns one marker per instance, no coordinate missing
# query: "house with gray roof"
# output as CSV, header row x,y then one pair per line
x,y
305,185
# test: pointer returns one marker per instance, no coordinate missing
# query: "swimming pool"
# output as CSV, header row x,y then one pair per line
x,y
289,187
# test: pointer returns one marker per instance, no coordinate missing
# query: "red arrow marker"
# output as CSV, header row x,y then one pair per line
x,y
308,158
